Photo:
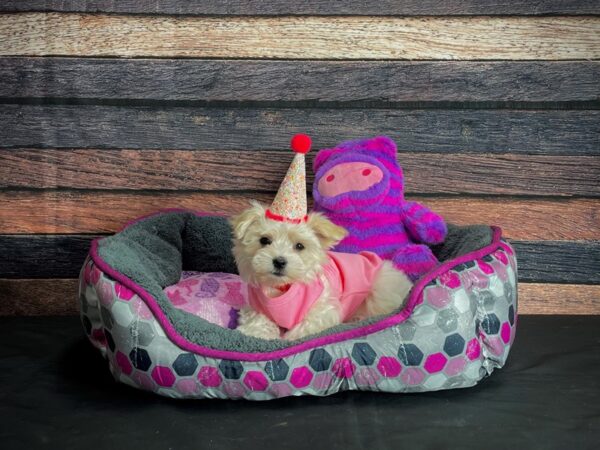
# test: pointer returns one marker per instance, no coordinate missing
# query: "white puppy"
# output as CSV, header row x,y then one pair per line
x,y
275,258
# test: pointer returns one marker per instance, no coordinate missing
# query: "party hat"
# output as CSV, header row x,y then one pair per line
x,y
290,202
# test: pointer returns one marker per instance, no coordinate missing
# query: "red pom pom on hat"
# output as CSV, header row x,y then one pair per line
x,y
301,143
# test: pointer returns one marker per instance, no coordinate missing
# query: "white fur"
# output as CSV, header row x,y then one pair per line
x,y
317,235
390,289
255,324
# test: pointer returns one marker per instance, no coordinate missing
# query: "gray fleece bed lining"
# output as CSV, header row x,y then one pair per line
x,y
153,252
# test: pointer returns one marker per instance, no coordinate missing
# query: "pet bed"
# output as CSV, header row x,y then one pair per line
x,y
159,300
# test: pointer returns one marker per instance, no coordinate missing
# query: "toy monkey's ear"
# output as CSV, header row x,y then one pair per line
x,y
383,144
321,157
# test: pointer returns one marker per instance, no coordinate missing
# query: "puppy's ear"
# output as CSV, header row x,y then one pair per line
x,y
328,233
242,221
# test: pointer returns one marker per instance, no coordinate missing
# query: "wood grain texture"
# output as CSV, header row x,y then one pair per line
x,y
559,261
33,297
309,7
189,128
299,81
43,256
537,298
220,171
526,219
80,212
441,38
61,256
75,212
46,297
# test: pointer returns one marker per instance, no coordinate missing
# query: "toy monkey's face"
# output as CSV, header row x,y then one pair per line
x,y
350,181
348,177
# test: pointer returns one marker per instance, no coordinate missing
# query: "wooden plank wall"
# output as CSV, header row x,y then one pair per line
x,y
111,110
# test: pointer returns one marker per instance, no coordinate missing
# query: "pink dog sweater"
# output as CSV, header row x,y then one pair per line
x,y
350,277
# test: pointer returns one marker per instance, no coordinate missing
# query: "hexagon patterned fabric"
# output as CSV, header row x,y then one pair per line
x,y
460,330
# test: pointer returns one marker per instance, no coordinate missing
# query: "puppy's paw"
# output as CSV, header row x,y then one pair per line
x,y
295,333
262,333
307,328
324,314
390,290
257,325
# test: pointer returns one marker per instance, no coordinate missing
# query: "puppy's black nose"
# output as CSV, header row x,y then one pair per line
x,y
279,263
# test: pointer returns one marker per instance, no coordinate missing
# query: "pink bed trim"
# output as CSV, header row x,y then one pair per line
x,y
304,346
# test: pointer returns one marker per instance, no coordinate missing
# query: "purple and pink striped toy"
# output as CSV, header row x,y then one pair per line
x,y
359,185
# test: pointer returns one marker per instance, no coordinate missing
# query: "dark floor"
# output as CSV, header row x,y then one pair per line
x,y
56,392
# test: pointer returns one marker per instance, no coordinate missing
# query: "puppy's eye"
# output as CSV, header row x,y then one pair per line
x,y
265,241
299,246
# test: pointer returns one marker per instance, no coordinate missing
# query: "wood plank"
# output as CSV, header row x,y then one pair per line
x,y
313,82
189,128
33,297
559,261
43,256
444,38
220,171
525,219
65,212
538,298
61,256
310,7
75,212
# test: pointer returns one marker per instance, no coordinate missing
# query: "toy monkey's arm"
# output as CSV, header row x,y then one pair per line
x,y
422,224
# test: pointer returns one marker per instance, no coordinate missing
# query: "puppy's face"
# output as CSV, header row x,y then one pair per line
x,y
270,253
